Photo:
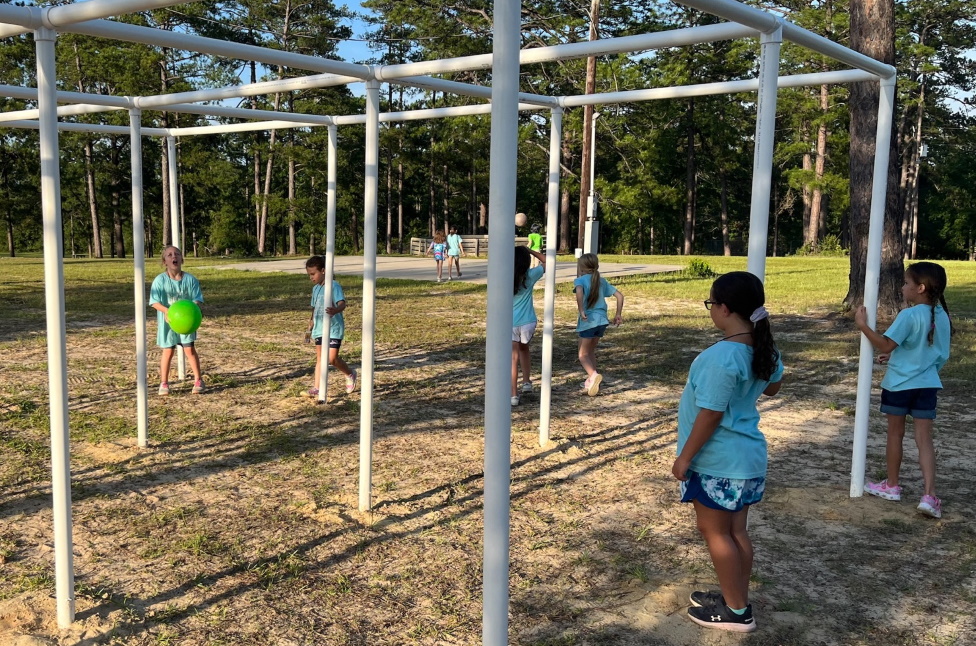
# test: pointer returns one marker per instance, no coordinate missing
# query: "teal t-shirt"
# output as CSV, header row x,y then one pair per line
x,y
166,291
597,315
915,363
454,245
721,379
337,326
523,309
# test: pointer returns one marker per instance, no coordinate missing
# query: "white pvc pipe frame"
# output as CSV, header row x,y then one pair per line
x,y
506,100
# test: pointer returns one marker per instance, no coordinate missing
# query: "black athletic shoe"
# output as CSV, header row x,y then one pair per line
x,y
722,618
706,598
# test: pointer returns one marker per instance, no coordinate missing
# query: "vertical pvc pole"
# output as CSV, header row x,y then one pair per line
x,y
762,167
552,233
57,350
329,262
174,220
369,292
872,278
498,344
139,279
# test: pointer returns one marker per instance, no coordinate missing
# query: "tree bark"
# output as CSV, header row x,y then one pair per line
x,y
585,162
816,203
564,205
873,34
726,245
689,224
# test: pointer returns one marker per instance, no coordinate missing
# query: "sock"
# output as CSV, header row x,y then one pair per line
x,y
738,612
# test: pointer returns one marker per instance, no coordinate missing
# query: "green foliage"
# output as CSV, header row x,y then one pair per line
x,y
828,246
699,268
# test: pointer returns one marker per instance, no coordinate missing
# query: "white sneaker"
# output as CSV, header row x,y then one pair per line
x,y
515,400
527,387
593,387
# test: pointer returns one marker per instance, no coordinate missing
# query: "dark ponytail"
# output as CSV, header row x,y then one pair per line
x,y
933,276
522,262
743,294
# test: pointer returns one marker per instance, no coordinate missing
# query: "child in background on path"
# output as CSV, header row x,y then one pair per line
x,y
721,461
315,268
454,251
439,248
591,290
173,285
524,320
535,242
915,347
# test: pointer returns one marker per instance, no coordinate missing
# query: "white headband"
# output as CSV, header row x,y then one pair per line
x,y
759,314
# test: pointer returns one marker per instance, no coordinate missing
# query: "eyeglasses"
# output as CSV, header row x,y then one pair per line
x,y
709,303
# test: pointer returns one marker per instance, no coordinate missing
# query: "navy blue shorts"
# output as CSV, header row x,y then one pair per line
x,y
917,402
593,333
333,343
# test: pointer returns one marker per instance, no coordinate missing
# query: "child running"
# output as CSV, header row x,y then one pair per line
x,y
523,318
591,290
315,268
454,251
721,459
173,285
438,248
915,347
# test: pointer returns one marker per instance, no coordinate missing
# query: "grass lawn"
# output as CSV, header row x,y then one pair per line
x,y
239,525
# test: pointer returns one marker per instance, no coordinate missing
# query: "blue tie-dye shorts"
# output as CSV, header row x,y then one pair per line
x,y
725,494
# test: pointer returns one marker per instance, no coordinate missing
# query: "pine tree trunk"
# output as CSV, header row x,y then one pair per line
x,y
820,165
726,245
689,225
564,221
873,34
446,199
292,219
807,165
118,249
588,110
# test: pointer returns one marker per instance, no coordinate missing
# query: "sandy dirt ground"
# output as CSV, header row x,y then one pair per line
x,y
239,524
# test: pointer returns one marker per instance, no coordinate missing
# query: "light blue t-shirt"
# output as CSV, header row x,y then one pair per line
x,y
454,245
337,326
915,363
523,308
721,379
166,291
597,315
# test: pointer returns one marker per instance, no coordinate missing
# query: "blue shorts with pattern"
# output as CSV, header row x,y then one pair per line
x,y
724,494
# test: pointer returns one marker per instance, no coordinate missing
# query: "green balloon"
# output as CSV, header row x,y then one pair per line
x,y
184,317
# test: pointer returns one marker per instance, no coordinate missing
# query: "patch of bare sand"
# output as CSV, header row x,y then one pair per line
x,y
30,619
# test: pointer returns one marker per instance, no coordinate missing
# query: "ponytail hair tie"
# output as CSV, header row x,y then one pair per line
x,y
759,314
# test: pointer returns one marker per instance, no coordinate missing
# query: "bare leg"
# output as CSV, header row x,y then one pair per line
x,y
727,556
587,354
338,363
740,534
515,360
457,262
440,269
893,449
926,453
318,360
165,358
194,360
450,267
525,358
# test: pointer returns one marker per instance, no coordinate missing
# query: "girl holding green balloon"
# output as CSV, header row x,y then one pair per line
x,y
177,290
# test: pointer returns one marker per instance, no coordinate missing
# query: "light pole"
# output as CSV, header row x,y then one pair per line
x,y
591,234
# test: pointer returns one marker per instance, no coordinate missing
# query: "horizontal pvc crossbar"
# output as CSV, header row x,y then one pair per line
x,y
641,42
314,81
92,103
192,43
86,127
467,89
430,113
767,23
31,18
726,87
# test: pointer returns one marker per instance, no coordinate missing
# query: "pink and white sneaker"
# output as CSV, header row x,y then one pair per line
x,y
882,490
930,506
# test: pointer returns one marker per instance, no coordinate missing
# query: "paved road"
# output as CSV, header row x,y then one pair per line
x,y
474,270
